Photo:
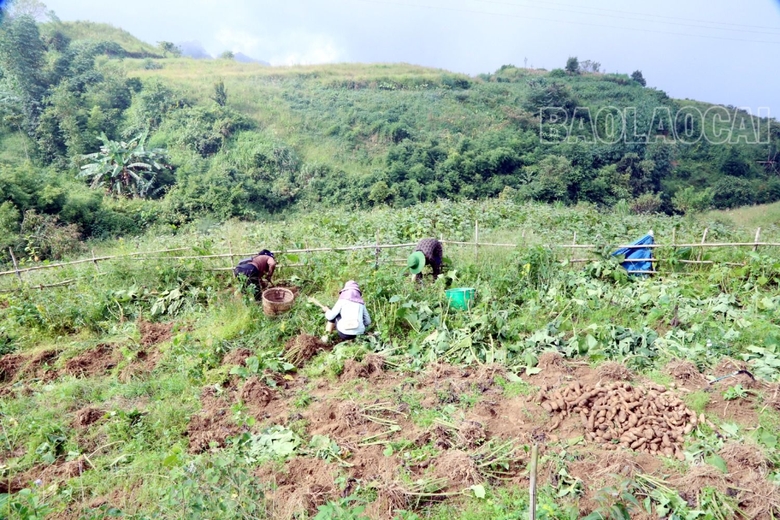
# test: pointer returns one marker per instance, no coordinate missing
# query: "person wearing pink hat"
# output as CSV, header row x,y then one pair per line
x,y
349,316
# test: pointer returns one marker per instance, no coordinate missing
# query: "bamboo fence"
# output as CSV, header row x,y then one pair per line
x,y
377,247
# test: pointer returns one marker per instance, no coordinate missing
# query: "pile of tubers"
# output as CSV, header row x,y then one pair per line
x,y
647,419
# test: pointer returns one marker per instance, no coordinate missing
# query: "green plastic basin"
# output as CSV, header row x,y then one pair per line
x,y
460,298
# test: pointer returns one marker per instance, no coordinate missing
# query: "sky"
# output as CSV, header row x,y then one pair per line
x,y
719,51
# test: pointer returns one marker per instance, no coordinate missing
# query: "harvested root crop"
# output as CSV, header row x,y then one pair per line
x,y
302,348
468,435
648,419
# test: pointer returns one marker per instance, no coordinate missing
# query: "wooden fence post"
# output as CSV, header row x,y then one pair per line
x,y
94,261
16,265
758,233
376,252
476,240
703,239
573,243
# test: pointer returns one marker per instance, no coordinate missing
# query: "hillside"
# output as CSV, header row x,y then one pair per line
x,y
243,140
86,30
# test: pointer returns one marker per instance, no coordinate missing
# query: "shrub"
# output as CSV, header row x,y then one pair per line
x,y
150,64
647,203
45,238
637,76
692,200
572,65
730,192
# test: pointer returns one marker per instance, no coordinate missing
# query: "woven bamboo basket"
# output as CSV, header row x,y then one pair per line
x,y
277,301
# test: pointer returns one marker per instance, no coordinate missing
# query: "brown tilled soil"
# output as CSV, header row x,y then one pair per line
x,y
236,357
94,362
552,360
9,366
741,411
40,365
256,394
371,366
303,485
60,470
367,407
214,423
145,361
458,468
31,366
154,333
88,416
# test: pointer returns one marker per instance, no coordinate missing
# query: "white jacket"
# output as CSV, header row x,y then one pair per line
x,y
354,317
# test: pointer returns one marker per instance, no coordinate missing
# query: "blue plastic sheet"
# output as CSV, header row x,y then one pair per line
x,y
636,258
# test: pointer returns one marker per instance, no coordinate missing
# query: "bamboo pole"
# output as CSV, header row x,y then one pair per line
x,y
194,257
573,243
476,240
97,267
376,246
703,239
758,232
58,284
96,259
16,265
376,251
532,487
46,286
659,260
631,246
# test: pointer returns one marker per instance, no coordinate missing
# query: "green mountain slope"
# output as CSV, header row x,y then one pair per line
x,y
243,140
86,30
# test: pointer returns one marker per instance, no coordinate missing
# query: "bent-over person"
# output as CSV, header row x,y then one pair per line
x,y
428,252
257,271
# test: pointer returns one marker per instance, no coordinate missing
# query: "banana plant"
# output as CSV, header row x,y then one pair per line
x,y
124,168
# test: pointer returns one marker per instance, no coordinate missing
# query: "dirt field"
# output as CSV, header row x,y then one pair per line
x,y
462,425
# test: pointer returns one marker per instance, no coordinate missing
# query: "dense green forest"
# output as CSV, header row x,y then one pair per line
x,y
102,135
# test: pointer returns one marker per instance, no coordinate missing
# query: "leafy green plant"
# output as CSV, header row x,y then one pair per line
x,y
24,505
343,509
615,502
660,499
52,446
765,361
275,442
219,488
735,392
718,505
256,365
124,168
